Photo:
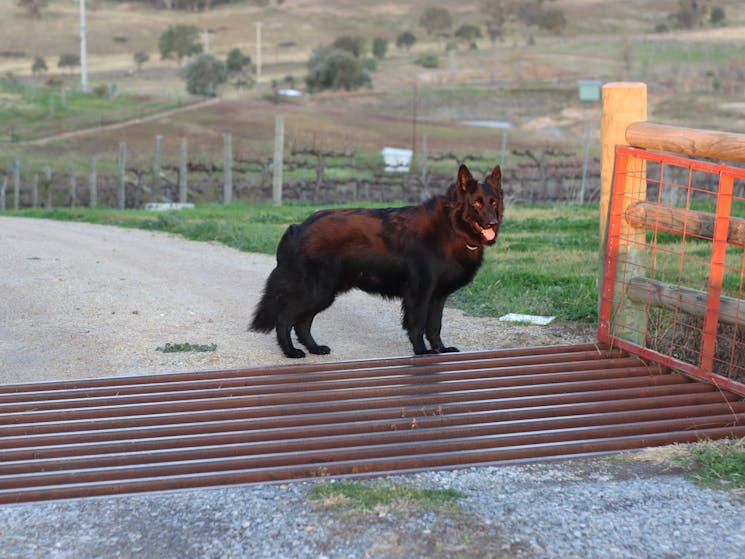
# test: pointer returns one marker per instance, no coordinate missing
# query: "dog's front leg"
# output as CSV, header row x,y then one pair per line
x,y
415,305
434,325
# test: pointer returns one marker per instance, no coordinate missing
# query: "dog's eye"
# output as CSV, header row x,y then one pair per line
x,y
477,204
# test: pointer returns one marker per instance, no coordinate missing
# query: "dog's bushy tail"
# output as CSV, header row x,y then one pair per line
x,y
265,315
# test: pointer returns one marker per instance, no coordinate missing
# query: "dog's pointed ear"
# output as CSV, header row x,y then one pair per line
x,y
464,177
495,179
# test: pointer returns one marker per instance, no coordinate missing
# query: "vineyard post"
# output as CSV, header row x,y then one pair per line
x,y
16,183
156,168
92,186
35,191
73,186
182,169
48,175
121,167
583,188
279,143
227,167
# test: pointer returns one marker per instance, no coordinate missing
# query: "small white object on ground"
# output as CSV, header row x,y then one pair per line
x,y
527,318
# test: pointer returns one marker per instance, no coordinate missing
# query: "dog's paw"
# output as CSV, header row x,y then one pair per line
x,y
320,350
295,353
449,350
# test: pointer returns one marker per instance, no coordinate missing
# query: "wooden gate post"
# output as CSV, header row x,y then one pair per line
x,y
623,104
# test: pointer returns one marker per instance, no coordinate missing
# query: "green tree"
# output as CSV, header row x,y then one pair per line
x,y
436,21
39,66
140,57
180,41
718,16
332,68
690,13
468,32
204,74
553,21
352,44
379,47
68,60
236,61
405,40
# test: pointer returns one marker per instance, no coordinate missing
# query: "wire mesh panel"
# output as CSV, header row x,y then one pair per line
x,y
675,264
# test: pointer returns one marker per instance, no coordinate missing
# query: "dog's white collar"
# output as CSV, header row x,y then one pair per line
x,y
472,247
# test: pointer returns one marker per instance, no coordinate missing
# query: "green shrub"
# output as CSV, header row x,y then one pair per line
x,y
101,90
204,74
332,68
428,60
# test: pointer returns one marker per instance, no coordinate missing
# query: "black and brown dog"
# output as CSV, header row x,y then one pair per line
x,y
419,253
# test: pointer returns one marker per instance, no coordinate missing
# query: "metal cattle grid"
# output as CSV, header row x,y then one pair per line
x,y
172,431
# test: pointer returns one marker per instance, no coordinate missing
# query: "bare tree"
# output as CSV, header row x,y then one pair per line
x,y
495,14
33,7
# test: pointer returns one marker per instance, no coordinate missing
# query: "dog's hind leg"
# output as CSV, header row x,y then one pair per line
x,y
434,325
302,329
284,339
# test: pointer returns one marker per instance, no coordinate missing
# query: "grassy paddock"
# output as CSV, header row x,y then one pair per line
x,y
545,262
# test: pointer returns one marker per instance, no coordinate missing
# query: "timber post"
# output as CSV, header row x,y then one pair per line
x,y
623,104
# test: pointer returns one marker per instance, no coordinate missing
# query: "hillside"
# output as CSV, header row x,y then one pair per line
x,y
696,77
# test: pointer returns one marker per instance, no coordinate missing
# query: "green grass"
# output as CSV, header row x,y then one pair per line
x,y
719,464
359,496
545,261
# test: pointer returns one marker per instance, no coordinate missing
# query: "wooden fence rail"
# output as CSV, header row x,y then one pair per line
x,y
681,221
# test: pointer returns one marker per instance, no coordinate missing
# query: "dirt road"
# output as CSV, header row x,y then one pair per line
x,y
80,300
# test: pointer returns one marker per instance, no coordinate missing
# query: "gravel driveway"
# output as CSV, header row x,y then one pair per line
x,y
79,300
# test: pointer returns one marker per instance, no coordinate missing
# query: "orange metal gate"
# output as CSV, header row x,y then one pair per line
x,y
675,265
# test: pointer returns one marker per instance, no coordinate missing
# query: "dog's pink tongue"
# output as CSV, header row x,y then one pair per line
x,y
488,234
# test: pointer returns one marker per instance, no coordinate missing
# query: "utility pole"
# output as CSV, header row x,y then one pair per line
x,y
83,50
258,50
413,118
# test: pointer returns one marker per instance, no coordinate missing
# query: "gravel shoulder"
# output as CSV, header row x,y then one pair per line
x,y
79,300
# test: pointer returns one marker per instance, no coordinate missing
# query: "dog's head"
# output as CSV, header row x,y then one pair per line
x,y
479,205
